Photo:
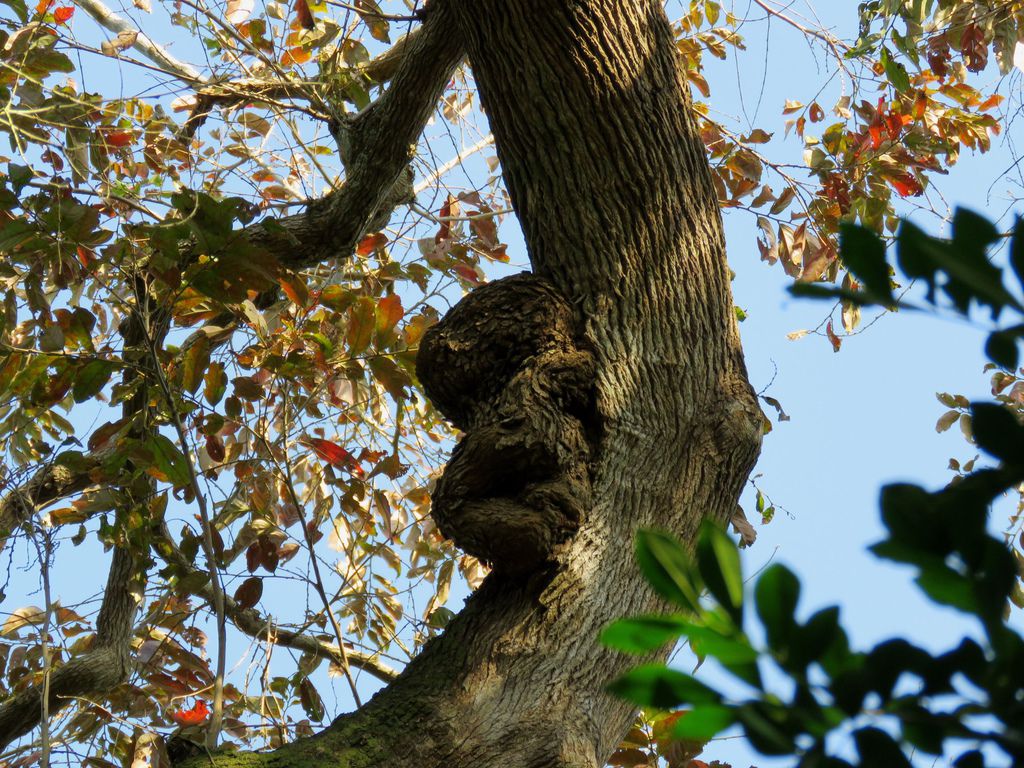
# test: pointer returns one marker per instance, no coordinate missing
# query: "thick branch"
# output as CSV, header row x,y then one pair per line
x,y
110,660
47,485
382,140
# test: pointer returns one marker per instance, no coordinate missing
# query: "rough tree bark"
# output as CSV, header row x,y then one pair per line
x,y
609,177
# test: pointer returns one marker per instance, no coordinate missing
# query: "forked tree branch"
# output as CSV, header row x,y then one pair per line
x,y
382,137
49,483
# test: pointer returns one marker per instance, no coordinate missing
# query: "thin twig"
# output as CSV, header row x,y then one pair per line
x,y
439,172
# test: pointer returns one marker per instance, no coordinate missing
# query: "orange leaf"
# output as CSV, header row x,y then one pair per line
x,y
298,55
194,716
85,255
876,136
44,6
295,289
389,312
63,14
906,185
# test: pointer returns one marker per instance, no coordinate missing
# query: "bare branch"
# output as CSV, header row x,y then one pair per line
x,y
108,19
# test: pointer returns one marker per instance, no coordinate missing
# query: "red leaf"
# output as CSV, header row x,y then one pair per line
x,y
371,243
117,138
253,555
304,15
63,14
215,448
333,454
194,716
250,592
906,185
835,340
467,273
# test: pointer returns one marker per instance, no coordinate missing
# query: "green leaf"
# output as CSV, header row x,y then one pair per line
x,y
643,634
761,723
197,359
655,685
820,635
971,759
733,652
777,593
719,562
19,176
311,702
863,252
703,722
895,72
215,382
970,275
876,747
168,460
90,379
998,432
668,568
19,8
1017,250
947,587
1001,349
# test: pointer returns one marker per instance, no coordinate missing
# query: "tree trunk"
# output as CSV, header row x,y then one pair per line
x,y
607,172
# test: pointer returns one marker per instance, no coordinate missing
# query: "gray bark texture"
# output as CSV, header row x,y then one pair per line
x,y
600,153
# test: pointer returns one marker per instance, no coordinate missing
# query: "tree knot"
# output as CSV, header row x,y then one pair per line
x,y
505,365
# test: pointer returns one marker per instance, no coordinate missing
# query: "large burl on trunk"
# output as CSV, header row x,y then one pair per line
x,y
645,390
505,366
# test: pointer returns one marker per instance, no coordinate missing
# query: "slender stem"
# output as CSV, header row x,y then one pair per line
x,y
318,582
486,141
43,553
217,713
